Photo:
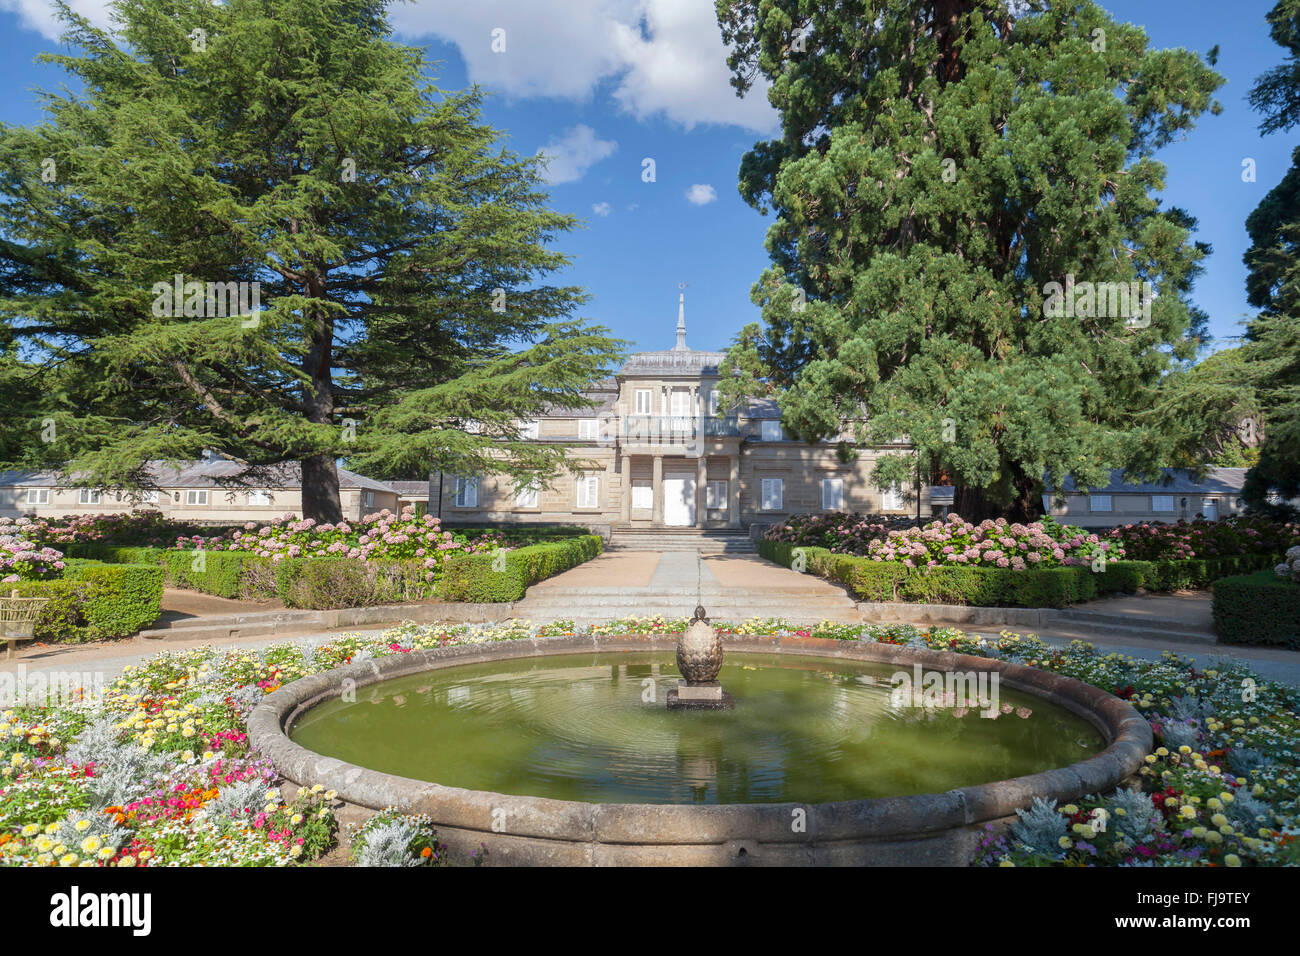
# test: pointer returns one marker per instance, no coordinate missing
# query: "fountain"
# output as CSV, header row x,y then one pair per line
x,y
699,659
558,750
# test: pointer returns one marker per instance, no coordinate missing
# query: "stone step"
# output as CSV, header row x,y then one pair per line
x,y
1107,620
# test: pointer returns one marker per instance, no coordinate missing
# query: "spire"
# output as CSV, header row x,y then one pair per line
x,y
681,320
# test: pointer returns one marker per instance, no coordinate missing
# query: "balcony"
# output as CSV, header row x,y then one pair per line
x,y
676,429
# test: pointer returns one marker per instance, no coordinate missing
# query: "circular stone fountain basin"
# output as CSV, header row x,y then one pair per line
x,y
562,750
594,727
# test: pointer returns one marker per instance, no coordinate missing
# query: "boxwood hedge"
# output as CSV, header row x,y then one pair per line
x,y
94,601
881,581
1259,608
483,578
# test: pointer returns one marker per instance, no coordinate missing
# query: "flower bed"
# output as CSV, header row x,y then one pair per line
x,y
952,542
158,772
1157,541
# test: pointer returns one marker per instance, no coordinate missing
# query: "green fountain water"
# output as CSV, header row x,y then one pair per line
x,y
594,727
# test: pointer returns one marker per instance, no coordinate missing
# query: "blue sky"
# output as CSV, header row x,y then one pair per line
x,y
644,79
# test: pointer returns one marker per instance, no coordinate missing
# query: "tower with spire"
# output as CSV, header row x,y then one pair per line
x,y
681,320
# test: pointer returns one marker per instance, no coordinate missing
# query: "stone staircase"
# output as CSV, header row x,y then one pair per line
x,y
729,541
682,580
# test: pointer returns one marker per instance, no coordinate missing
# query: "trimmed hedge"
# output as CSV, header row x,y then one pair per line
x,y
1258,608
473,578
113,554
219,573
93,601
322,583
884,581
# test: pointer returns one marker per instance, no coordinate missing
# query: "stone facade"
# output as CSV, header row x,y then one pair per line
x,y
193,493
654,450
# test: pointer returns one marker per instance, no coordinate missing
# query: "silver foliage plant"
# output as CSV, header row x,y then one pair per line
x,y
1138,817
387,844
1041,827
124,772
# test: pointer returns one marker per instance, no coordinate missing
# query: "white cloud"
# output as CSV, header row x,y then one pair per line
x,y
602,209
38,15
569,157
680,69
665,57
701,194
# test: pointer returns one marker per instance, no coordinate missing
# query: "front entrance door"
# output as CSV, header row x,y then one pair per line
x,y
1210,508
679,500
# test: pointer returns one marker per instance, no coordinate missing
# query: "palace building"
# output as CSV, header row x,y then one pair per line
x,y
652,451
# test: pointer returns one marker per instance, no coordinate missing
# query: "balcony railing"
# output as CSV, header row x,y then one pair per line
x,y
658,429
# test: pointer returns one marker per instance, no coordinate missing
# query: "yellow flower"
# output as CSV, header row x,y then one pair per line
x,y
1188,813
1006,863
91,844
31,829
1065,843
1232,860
1184,749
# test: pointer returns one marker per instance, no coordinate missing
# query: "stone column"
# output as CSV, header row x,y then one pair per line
x,y
701,491
733,493
657,488
625,509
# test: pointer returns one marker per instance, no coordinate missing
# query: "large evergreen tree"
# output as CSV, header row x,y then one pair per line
x,y
940,163
1272,345
402,255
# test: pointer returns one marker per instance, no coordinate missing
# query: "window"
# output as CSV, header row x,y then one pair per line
x,y
1099,502
368,498
1047,504
530,430
588,491
643,495
771,430
466,492
681,402
148,497
588,429
644,399
715,495
526,496
891,499
195,497
832,494
473,426
713,401
38,496
773,491
1162,502
259,497
88,497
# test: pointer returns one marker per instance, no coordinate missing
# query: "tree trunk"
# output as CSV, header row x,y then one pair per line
x,y
972,504
320,489
320,475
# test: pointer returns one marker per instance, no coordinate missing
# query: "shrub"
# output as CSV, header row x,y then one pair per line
x,y
489,579
213,572
348,582
1258,608
97,601
882,581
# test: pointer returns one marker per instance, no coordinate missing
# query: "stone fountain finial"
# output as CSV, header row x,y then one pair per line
x,y
699,659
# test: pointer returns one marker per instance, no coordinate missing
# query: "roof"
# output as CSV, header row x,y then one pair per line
x,y
1222,481
673,362
203,474
410,487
